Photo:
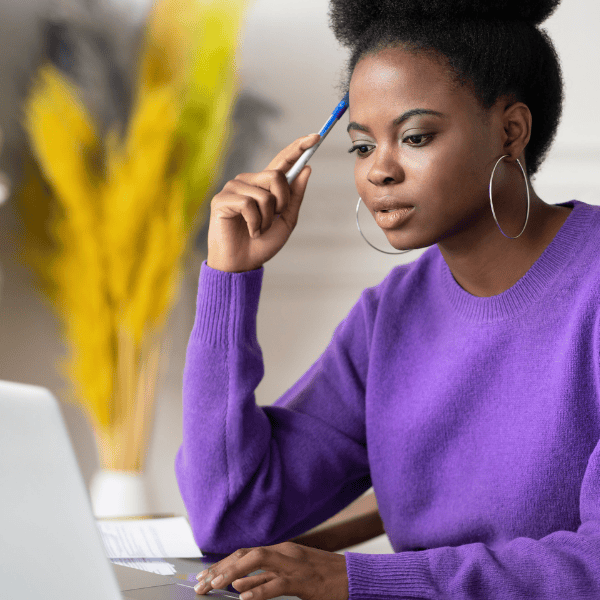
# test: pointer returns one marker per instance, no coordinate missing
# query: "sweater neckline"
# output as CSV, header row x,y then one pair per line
x,y
533,284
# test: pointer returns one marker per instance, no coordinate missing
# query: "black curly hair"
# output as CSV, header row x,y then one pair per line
x,y
494,47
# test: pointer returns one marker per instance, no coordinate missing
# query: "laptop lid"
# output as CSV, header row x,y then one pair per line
x,y
50,546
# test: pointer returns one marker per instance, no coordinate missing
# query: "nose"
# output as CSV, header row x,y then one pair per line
x,y
386,169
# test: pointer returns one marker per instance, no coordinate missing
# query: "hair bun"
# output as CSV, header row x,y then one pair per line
x,y
351,18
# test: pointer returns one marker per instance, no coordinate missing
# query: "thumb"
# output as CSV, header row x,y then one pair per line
x,y
298,187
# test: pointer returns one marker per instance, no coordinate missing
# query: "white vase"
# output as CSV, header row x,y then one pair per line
x,y
118,494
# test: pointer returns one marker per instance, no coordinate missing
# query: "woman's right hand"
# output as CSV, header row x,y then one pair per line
x,y
253,216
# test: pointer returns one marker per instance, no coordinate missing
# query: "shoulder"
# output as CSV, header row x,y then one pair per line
x,y
585,217
580,237
565,279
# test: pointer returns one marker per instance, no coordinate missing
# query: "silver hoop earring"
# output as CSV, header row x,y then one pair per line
x,y
492,204
366,240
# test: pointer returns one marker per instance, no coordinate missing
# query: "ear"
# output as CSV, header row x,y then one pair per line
x,y
516,122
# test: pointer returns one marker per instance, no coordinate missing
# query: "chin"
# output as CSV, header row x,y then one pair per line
x,y
402,242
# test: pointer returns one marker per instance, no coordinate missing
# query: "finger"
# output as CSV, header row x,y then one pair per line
x,y
215,575
279,586
204,578
290,214
209,573
285,160
246,206
298,186
252,581
263,558
265,200
273,182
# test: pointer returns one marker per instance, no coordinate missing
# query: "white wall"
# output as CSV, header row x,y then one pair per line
x,y
290,57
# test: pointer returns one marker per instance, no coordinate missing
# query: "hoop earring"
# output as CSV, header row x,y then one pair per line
x,y
366,240
492,204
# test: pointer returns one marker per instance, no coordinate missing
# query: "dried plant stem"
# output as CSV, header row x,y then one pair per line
x,y
123,446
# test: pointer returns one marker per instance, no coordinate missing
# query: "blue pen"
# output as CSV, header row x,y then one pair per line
x,y
340,109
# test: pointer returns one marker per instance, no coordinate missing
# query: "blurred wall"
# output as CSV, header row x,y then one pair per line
x,y
289,60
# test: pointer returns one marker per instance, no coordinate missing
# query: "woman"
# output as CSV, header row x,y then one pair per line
x,y
465,388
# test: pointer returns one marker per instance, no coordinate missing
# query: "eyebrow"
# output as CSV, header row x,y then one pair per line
x,y
403,117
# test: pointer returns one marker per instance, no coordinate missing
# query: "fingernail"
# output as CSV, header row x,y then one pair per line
x,y
202,574
217,580
246,596
198,587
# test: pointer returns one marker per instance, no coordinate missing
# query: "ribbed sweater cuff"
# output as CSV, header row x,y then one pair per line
x,y
378,576
226,306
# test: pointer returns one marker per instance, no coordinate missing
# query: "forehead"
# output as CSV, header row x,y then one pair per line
x,y
398,80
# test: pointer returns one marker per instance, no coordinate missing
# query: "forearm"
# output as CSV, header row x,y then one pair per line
x,y
251,475
561,566
205,470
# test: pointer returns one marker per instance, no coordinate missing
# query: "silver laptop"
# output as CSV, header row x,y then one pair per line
x,y
50,546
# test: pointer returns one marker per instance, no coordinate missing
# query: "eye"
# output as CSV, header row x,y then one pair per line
x,y
361,149
418,140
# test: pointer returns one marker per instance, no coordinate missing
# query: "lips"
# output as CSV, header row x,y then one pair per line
x,y
386,205
391,219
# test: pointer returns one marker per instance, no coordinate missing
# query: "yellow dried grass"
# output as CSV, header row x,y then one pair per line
x,y
122,213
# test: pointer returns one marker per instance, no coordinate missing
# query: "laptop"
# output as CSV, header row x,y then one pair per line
x,y
50,546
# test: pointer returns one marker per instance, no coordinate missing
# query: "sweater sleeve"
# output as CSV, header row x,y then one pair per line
x,y
563,565
253,475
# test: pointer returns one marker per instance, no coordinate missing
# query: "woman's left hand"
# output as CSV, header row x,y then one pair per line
x,y
289,569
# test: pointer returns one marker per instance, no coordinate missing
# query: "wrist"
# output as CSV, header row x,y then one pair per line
x,y
225,268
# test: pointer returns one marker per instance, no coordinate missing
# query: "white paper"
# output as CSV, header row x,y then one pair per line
x,y
148,538
153,565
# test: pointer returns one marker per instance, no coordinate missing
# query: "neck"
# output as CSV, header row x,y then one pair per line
x,y
486,263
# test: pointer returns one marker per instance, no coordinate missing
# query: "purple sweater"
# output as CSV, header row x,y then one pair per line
x,y
476,421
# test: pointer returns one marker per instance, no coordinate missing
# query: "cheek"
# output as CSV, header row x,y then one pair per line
x,y
361,172
476,161
453,175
